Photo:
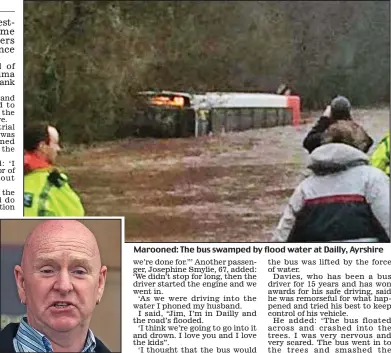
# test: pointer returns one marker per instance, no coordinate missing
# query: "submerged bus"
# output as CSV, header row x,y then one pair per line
x,y
164,114
178,114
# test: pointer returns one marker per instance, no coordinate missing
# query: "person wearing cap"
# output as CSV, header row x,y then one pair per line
x,y
345,198
380,158
46,189
339,109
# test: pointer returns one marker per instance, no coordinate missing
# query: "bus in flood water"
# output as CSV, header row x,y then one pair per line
x,y
177,114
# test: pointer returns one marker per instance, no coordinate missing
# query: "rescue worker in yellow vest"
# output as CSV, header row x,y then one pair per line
x,y
47,192
381,156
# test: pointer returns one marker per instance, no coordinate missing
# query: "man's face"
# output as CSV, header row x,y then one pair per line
x,y
61,280
53,145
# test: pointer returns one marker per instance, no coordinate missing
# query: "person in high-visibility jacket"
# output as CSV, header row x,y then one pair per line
x,y
381,156
47,192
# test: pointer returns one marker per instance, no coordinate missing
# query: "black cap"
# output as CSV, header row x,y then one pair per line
x,y
340,107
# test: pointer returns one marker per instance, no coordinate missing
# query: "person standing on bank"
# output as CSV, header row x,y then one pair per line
x,y
46,189
339,109
346,199
60,280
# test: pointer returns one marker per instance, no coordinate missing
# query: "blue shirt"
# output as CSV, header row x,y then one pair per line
x,y
28,339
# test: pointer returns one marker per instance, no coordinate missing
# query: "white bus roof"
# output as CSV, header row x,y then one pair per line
x,y
229,99
239,100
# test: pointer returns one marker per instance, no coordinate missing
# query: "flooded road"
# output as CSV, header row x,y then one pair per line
x,y
232,187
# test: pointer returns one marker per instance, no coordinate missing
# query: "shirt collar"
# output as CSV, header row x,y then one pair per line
x,y
33,161
28,339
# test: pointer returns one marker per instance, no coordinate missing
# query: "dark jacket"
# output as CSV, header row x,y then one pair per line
x,y
9,332
314,137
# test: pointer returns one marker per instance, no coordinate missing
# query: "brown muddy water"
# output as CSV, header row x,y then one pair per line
x,y
229,188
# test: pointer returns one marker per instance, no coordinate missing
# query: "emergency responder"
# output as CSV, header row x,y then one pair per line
x,y
339,109
381,156
46,189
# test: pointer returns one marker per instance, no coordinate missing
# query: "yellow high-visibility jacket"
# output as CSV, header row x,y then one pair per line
x,y
47,193
381,156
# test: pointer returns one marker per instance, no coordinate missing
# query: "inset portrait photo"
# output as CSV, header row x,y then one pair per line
x,y
61,285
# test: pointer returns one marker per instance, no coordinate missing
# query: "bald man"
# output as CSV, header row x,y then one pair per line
x,y
47,192
60,280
